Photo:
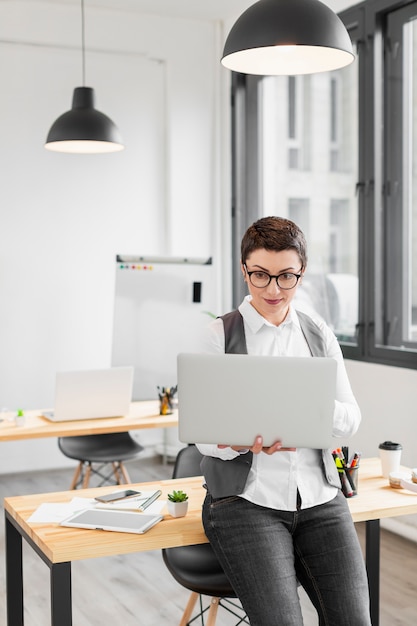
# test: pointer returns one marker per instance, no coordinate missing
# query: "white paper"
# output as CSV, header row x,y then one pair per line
x,y
55,512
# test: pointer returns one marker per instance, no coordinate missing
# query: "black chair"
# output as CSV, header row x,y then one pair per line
x,y
96,452
196,567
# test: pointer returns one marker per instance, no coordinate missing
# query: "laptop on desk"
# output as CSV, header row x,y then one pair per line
x,y
231,398
92,394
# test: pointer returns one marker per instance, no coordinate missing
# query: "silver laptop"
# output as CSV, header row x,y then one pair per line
x,y
232,398
90,394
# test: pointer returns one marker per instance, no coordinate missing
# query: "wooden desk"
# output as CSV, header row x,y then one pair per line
x,y
58,546
141,415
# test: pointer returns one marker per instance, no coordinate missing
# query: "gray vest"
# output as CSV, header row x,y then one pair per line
x,y
228,478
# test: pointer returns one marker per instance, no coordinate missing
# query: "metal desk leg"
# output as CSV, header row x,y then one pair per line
x,y
372,566
14,575
61,602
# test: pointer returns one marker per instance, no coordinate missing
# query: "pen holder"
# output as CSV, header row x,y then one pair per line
x,y
164,407
166,399
349,480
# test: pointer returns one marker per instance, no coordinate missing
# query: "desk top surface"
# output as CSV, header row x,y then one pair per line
x,y
375,500
143,414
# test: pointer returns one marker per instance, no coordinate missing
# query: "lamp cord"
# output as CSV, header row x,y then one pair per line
x,y
83,40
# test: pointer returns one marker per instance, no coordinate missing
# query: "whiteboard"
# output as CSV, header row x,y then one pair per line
x,y
161,307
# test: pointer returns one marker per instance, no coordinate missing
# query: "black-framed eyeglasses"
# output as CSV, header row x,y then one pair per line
x,y
286,280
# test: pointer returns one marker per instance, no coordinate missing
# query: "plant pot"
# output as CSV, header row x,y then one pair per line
x,y
20,420
177,509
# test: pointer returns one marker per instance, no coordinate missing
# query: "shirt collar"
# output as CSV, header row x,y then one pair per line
x,y
255,321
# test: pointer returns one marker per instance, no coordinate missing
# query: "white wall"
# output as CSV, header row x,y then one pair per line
x,y
63,217
388,400
387,397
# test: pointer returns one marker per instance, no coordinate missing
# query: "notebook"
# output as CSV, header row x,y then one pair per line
x,y
90,394
119,521
231,398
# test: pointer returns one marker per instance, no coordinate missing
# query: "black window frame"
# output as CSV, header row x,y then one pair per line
x,y
378,232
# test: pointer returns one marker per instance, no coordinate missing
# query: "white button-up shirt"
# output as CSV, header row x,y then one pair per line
x,y
274,479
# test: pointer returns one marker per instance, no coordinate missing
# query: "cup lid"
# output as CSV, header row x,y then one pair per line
x,y
390,445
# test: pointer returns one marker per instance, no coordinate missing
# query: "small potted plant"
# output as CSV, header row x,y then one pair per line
x,y
177,503
20,418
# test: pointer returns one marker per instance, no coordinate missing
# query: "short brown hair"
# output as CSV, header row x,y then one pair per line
x,y
274,233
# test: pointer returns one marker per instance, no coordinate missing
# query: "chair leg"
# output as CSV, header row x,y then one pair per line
x,y
124,473
189,609
87,476
212,614
115,468
76,476
120,473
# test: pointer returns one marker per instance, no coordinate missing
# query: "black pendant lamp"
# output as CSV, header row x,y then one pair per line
x,y
287,37
83,129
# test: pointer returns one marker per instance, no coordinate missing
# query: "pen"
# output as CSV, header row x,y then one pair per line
x,y
355,459
144,505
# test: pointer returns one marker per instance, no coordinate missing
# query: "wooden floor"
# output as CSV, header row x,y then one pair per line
x,y
137,590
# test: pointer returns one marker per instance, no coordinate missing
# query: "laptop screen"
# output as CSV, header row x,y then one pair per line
x,y
90,394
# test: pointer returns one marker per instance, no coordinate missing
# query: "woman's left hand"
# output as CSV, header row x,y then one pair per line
x,y
259,447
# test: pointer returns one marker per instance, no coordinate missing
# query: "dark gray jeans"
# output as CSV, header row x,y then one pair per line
x,y
266,552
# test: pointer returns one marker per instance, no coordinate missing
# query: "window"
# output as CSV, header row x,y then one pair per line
x,y
337,153
314,190
294,122
334,119
400,325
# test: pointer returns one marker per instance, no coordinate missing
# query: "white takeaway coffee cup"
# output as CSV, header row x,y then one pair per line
x,y
390,455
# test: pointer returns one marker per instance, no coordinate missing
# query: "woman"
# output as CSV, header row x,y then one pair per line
x,y
275,516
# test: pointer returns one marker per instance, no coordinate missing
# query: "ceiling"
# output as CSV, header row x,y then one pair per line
x,y
198,9
206,9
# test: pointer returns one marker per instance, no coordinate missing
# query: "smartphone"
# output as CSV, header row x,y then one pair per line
x,y
118,495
